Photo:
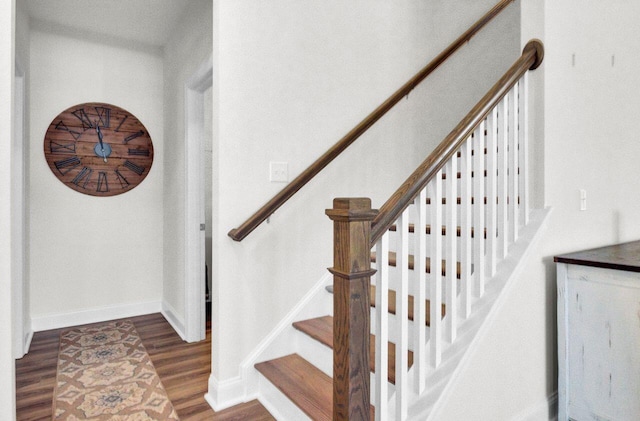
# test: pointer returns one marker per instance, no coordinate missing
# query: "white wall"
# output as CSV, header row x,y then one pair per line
x,y
293,78
7,363
188,48
98,255
591,111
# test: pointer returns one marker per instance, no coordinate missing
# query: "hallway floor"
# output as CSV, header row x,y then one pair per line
x,y
183,368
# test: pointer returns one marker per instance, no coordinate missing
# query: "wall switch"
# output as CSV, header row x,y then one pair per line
x,y
583,199
278,172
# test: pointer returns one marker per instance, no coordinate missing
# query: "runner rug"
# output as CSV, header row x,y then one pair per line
x,y
105,373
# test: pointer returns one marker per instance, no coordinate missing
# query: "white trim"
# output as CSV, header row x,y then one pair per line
x,y
94,315
226,393
21,323
194,296
544,410
27,340
171,315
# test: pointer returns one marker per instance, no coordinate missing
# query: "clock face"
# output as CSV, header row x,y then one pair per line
x,y
98,149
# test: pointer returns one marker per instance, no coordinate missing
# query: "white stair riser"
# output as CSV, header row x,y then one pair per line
x,y
277,403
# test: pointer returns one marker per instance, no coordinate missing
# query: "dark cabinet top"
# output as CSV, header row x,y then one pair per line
x,y
624,256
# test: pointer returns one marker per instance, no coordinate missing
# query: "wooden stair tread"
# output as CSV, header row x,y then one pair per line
x,y
473,151
411,263
392,304
459,174
304,384
412,229
473,199
321,329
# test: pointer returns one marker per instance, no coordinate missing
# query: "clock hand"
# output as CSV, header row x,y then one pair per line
x,y
104,154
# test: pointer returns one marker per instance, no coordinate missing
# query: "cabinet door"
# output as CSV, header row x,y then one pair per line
x,y
603,337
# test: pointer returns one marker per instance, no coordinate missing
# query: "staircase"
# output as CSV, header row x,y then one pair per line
x,y
409,298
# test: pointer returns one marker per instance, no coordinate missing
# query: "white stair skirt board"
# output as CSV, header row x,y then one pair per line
x,y
94,315
485,310
279,342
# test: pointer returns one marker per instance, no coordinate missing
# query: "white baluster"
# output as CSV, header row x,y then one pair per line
x,y
513,164
451,250
382,328
419,300
478,210
435,278
523,142
402,316
492,191
503,168
465,227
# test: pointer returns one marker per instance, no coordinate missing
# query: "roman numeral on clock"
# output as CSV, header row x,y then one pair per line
x,y
124,183
133,136
103,185
66,165
139,152
61,126
58,147
83,177
133,167
84,118
104,116
121,122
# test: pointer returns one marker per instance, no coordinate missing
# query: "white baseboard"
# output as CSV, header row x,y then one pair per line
x,y
94,315
174,319
27,341
224,394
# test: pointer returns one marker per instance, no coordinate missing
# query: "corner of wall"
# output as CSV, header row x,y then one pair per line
x,y
174,319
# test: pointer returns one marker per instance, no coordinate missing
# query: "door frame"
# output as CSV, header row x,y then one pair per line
x,y
194,292
21,326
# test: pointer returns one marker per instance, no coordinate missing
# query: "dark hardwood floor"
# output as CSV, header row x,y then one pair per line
x,y
183,368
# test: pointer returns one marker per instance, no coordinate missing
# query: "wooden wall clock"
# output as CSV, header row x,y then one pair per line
x,y
98,149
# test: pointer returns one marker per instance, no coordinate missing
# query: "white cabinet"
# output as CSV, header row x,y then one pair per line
x,y
599,334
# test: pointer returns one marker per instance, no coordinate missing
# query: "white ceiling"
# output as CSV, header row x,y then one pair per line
x,y
144,22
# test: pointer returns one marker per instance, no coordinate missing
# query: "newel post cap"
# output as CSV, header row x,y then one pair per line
x,y
352,209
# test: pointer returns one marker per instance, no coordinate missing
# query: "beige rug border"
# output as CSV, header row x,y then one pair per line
x,y
95,325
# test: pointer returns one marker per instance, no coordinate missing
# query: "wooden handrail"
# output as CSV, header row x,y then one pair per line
x,y
238,234
532,56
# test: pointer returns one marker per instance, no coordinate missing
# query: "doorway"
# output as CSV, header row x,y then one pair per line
x,y
198,153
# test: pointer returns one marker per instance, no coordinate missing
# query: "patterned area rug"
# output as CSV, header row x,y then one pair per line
x,y
105,373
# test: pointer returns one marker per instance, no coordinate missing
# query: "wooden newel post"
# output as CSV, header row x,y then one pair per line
x,y
351,321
